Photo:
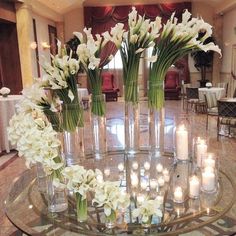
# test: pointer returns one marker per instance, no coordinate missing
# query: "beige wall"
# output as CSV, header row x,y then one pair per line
x,y
73,21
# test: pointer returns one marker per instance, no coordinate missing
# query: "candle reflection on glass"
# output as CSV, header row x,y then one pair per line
x,y
121,167
135,165
208,180
147,165
194,187
161,181
201,150
140,198
153,183
159,167
107,172
182,142
178,195
143,184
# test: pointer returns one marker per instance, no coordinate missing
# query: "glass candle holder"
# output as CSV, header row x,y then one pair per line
x,y
210,160
200,150
209,180
194,187
178,195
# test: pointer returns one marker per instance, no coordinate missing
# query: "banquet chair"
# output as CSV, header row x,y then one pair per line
x,y
234,95
226,115
223,85
108,88
183,93
211,104
193,99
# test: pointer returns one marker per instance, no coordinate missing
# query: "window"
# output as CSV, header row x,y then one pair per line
x,y
115,63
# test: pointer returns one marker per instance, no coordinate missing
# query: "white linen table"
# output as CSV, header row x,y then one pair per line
x,y
7,110
220,92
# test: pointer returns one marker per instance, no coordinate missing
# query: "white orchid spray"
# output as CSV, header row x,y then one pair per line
x,y
81,181
176,40
89,52
140,35
61,77
147,209
110,196
36,141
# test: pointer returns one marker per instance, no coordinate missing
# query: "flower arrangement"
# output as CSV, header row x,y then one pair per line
x,y
147,209
89,57
81,181
5,91
140,35
175,41
61,77
109,195
208,84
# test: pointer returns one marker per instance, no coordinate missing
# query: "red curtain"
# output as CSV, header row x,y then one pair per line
x,y
101,19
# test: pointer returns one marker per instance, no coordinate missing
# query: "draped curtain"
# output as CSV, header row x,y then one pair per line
x,y
101,19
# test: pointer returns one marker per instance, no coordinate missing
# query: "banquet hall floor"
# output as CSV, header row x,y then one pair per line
x,y
12,166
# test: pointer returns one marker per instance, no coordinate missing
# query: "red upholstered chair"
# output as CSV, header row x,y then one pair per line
x,y
108,87
172,85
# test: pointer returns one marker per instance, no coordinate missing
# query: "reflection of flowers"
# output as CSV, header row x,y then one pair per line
x,y
109,195
147,209
175,41
4,91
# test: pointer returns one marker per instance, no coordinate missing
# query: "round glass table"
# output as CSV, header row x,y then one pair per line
x,y
26,207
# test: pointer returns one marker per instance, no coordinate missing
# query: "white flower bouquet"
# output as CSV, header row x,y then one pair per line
x,y
140,35
176,40
147,209
81,181
89,57
208,84
109,195
61,77
5,91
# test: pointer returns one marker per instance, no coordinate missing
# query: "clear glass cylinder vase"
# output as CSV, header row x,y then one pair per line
x,y
156,131
111,220
98,126
81,208
57,198
73,133
131,127
41,178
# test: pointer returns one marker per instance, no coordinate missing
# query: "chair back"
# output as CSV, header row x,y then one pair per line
x,y
186,86
234,95
107,81
192,93
227,109
223,85
211,100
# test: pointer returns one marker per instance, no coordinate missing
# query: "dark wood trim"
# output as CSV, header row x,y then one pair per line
x,y
52,32
36,50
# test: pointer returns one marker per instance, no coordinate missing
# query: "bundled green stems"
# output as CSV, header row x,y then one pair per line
x,y
98,102
81,208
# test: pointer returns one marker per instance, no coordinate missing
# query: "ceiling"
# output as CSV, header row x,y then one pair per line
x,y
64,6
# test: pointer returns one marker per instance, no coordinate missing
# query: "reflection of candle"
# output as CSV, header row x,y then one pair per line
x,y
182,143
161,181
167,178
107,171
159,167
135,165
143,185
165,172
121,167
209,161
178,194
140,198
160,199
99,178
134,180
153,183
201,150
194,187
208,179
146,165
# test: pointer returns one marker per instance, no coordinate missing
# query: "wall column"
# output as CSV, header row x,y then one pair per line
x,y
218,36
24,26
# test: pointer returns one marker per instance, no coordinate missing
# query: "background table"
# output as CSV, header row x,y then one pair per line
x,y
220,92
7,110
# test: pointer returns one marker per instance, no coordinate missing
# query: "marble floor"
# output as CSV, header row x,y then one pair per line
x,y
12,166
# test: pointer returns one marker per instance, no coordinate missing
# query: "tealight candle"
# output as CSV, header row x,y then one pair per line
x,y
147,165
153,183
161,181
121,167
107,172
182,143
194,187
201,150
178,195
135,165
209,161
159,167
208,180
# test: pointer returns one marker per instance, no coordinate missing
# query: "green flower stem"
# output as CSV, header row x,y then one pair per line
x,y
81,208
54,119
95,81
112,217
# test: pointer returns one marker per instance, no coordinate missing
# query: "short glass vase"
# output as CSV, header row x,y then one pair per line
x,y
111,220
81,208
